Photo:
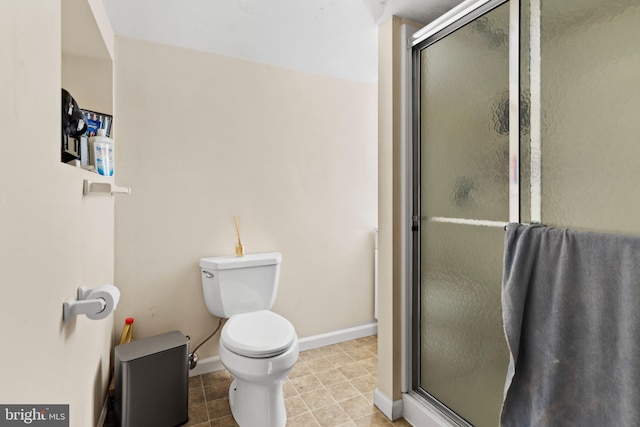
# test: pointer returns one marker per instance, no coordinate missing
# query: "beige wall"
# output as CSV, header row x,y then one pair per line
x,y
90,81
202,137
390,207
52,240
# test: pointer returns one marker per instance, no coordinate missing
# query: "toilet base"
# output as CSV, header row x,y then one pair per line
x,y
257,405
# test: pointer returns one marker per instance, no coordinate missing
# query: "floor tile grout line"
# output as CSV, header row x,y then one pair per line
x,y
318,374
335,402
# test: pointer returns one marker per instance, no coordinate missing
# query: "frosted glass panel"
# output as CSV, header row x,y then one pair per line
x,y
590,102
585,89
464,355
465,121
464,145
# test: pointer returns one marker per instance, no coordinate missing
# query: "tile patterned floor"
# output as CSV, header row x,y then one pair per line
x,y
329,386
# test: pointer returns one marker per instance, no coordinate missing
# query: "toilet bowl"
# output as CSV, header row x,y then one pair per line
x,y
257,346
259,349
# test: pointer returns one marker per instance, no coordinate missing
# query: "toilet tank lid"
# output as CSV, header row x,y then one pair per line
x,y
249,260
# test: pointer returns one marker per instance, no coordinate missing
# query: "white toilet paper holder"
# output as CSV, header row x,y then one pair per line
x,y
85,304
91,187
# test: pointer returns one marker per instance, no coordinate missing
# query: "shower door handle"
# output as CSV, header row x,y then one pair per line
x,y
415,226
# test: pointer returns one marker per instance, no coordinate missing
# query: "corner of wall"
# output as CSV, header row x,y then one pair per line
x,y
390,208
391,409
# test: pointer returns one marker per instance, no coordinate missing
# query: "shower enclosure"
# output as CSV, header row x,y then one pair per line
x,y
523,111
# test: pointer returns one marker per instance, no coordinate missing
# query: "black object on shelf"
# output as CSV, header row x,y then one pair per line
x,y
74,125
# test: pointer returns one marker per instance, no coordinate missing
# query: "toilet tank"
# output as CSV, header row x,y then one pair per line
x,y
240,284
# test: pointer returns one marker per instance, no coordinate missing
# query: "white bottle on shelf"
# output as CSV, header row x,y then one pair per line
x,y
101,153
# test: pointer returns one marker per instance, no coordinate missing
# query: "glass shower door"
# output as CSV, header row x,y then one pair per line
x,y
463,198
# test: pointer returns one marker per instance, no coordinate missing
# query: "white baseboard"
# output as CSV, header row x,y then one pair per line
x,y
335,337
211,364
419,413
206,365
391,409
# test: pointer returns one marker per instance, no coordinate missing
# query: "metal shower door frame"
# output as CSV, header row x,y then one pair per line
x,y
442,27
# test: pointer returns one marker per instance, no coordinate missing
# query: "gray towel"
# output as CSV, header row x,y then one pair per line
x,y
571,311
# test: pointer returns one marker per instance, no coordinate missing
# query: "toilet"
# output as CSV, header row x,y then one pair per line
x,y
258,347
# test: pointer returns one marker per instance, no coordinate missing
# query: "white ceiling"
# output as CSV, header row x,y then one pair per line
x,y
330,37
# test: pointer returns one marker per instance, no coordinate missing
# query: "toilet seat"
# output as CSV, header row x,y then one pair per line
x,y
258,334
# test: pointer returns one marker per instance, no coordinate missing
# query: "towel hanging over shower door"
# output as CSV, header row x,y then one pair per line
x,y
571,310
